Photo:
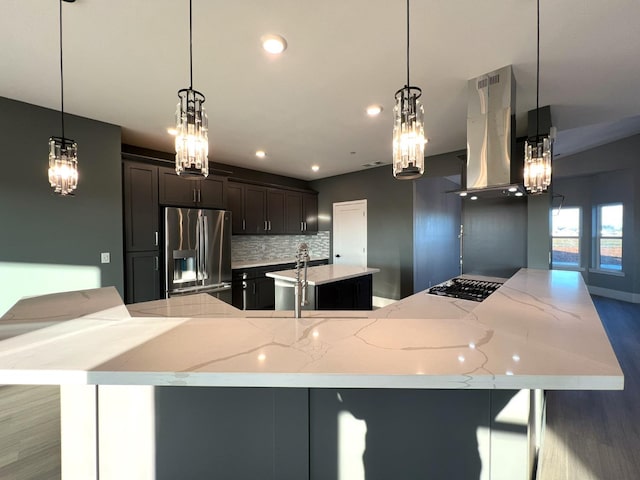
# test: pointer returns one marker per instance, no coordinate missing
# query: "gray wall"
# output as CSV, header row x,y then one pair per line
x,y
495,236
609,173
389,227
437,218
42,228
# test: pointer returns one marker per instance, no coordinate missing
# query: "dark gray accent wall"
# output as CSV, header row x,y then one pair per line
x,y
389,226
437,218
538,231
39,226
495,236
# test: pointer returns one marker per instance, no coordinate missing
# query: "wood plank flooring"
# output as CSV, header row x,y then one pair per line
x,y
29,432
594,435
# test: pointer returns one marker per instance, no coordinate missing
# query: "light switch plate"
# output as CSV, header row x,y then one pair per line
x,y
105,257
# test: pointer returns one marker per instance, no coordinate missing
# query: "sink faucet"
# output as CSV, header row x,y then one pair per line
x,y
300,287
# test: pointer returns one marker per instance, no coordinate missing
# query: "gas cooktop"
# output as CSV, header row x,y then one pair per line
x,y
465,288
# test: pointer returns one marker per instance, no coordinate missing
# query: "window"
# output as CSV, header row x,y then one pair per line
x,y
565,238
609,237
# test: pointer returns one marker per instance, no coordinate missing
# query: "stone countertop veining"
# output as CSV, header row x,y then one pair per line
x,y
325,274
539,330
269,262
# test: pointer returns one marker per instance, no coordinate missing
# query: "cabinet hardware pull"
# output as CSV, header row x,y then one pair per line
x,y
156,263
269,225
302,226
244,225
265,226
156,238
199,196
194,196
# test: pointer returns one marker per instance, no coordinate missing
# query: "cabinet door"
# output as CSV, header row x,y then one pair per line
x,y
293,207
235,202
255,204
142,277
176,190
310,212
140,186
265,296
212,192
275,210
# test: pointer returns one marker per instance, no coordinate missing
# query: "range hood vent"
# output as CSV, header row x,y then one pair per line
x,y
491,164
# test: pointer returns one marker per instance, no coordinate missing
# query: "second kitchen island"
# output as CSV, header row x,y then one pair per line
x,y
330,287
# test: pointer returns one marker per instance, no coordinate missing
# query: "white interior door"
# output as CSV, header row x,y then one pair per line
x,y
350,233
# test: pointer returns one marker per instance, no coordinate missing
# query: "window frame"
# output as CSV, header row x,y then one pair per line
x,y
598,237
579,265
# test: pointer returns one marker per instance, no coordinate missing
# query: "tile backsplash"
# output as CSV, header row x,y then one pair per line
x,y
247,248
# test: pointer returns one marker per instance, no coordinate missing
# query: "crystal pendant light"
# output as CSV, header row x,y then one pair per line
x,y
408,128
192,142
537,150
63,152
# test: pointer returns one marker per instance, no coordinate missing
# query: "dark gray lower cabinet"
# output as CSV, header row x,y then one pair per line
x,y
231,433
350,294
142,280
329,434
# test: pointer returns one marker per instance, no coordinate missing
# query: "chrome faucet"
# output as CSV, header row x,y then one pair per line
x,y
300,288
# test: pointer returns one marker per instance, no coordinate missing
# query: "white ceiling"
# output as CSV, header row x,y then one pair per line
x,y
125,60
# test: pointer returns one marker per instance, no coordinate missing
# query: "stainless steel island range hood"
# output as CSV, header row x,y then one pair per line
x,y
492,169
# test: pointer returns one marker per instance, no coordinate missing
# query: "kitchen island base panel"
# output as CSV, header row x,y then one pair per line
x,y
164,433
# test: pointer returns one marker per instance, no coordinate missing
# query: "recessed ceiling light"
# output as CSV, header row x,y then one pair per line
x,y
172,131
474,197
463,194
373,110
274,44
519,194
513,189
315,168
261,154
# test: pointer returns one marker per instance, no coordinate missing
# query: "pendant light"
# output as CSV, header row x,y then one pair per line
x,y
537,150
63,152
408,128
192,142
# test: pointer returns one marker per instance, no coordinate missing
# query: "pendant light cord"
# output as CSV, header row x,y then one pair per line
x,y
61,75
538,74
408,49
190,48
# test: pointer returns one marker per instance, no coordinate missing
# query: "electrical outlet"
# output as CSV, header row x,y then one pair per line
x,y
105,257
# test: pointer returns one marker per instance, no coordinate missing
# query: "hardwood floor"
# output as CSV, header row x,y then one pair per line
x,y
29,432
592,434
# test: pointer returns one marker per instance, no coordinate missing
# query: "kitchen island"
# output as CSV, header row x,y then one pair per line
x,y
330,287
423,376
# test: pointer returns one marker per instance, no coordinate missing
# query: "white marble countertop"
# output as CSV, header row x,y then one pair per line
x,y
324,274
539,330
268,263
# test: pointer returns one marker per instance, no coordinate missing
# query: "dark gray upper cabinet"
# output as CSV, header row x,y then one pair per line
x,y
256,209
191,192
140,188
301,212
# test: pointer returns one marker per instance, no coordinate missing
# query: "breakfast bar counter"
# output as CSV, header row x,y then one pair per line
x,y
446,374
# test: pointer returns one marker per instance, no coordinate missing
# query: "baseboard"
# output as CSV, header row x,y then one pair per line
x,y
379,302
615,294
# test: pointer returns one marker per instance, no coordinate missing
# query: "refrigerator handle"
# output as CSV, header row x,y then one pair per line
x,y
205,245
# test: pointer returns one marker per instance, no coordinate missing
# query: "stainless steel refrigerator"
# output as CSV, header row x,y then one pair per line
x,y
197,252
